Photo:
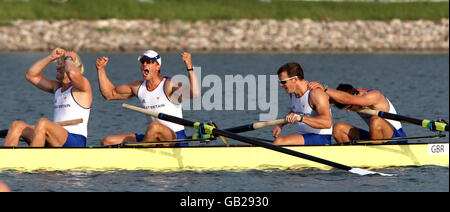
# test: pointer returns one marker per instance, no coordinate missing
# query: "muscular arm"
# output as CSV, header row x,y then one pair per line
x,y
111,92
33,75
345,98
78,80
323,120
194,90
176,90
107,88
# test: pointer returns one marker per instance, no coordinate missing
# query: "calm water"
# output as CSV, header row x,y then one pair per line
x,y
417,85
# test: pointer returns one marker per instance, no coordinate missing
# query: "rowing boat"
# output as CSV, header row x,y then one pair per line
x,y
257,155
199,158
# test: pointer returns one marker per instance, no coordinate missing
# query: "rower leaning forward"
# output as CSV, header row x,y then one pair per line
x,y
155,92
72,100
345,96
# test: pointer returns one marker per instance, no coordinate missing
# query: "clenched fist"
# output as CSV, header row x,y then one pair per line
x,y
57,53
186,56
101,62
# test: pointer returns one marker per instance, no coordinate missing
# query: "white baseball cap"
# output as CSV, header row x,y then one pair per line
x,y
152,55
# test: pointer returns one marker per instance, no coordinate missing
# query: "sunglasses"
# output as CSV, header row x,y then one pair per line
x,y
285,80
145,59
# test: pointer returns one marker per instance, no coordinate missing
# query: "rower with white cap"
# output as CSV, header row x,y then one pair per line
x,y
156,92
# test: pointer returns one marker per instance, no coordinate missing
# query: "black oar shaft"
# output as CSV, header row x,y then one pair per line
x,y
239,129
280,149
432,125
399,118
424,123
176,120
218,132
255,142
3,133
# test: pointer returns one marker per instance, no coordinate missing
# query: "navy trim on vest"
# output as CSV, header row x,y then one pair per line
x,y
309,103
71,89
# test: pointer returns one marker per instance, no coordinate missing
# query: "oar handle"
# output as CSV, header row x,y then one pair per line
x,y
158,115
259,125
141,110
69,122
369,111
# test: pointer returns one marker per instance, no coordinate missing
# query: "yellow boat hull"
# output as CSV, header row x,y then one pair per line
x,y
219,158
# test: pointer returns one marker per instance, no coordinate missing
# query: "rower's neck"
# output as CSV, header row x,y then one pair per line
x,y
301,87
65,86
153,82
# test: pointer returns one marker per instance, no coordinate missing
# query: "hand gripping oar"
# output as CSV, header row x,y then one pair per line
x,y
432,125
3,133
255,142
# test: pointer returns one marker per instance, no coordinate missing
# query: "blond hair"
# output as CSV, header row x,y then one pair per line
x,y
77,62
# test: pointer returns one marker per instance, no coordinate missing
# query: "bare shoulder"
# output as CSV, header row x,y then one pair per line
x,y
374,94
319,98
378,100
135,86
172,84
136,83
84,86
318,94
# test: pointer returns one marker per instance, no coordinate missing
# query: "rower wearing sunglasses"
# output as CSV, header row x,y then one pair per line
x,y
345,96
155,92
310,108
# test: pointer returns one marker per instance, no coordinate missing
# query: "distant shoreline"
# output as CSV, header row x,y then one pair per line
x,y
244,35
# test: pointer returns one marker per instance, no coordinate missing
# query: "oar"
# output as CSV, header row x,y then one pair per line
x,y
255,142
436,125
3,133
257,125
396,139
150,143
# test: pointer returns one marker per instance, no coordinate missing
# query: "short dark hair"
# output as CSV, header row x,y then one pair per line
x,y
348,89
292,69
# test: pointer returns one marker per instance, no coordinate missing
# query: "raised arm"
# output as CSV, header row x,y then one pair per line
x,y
176,90
107,88
33,75
74,68
194,89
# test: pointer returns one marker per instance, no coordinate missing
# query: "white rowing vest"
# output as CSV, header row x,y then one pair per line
x,y
301,106
396,124
157,100
66,108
